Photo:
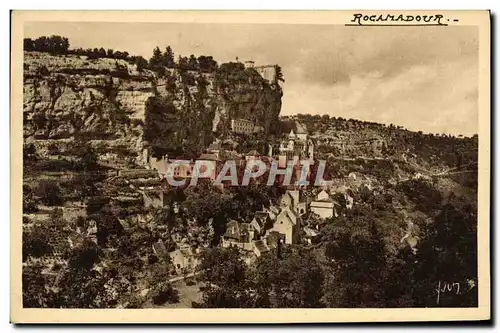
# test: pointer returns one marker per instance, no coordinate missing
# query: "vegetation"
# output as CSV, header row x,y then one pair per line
x,y
403,238
159,61
354,266
53,44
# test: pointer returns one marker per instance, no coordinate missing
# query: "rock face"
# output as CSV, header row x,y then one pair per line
x,y
108,102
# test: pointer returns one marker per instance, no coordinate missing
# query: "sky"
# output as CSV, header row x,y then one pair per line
x,y
422,78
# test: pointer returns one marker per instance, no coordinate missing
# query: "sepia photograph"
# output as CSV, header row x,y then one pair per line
x,y
178,165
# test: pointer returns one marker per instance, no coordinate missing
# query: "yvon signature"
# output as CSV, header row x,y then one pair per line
x,y
446,287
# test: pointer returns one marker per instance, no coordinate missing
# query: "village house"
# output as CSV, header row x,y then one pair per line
x,y
260,223
154,198
260,247
286,224
180,171
301,131
272,211
268,72
260,236
243,126
164,168
159,249
239,234
184,259
324,205
215,148
293,200
295,147
311,235
271,241
252,155
92,231
209,165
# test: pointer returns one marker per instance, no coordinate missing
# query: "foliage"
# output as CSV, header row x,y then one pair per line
x,y
35,243
357,254
107,225
141,63
166,294
84,257
36,293
425,196
29,154
29,200
224,275
448,254
86,157
292,279
50,193
53,44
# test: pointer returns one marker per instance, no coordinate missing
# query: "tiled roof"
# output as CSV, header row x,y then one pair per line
x,y
208,157
159,248
236,229
310,232
214,146
290,215
300,128
261,217
261,246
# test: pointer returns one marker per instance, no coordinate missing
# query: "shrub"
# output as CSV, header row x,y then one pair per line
x,y
50,193
166,294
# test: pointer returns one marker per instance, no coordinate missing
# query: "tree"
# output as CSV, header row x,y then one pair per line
x,y
102,53
141,63
50,193
279,74
107,225
36,293
35,243
165,294
39,119
356,250
204,202
156,61
292,280
192,63
134,302
29,201
29,153
41,44
224,276
448,254
168,58
426,197
86,157
28,44
53,44
182,64
84,256
207,64
80,286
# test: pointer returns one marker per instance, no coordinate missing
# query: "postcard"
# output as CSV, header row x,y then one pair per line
x,y
250,166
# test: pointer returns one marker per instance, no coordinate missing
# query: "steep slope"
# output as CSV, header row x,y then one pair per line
x,y
121,109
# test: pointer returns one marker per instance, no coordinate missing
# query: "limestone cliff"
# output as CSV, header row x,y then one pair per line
x,y
120,109
190,108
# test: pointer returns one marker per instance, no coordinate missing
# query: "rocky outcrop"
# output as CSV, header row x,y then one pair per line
x,y
107,101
